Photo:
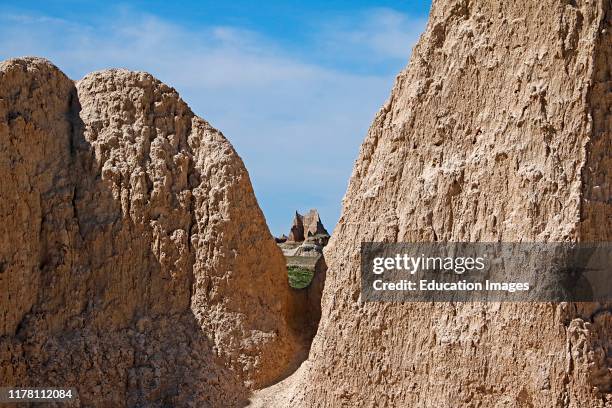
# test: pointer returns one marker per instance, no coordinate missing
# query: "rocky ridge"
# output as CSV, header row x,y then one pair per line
x,y
498,130
135,263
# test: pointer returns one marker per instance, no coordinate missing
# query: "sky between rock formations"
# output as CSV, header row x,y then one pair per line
x,y
293,85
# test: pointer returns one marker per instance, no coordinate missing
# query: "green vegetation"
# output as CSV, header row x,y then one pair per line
x,y
299,278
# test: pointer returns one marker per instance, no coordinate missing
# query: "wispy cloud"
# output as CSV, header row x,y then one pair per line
x,y
296,118
369,39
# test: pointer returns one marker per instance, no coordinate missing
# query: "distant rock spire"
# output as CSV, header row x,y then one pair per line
x,y
312,224
305,226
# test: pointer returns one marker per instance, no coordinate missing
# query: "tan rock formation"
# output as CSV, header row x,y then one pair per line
x,y
296,234
312,224
135,263
305,226
498,129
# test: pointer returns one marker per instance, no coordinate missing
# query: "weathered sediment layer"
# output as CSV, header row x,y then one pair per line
x,y
135,263
498,129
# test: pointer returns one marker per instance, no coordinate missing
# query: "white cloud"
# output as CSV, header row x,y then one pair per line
x,y
296,120
370,37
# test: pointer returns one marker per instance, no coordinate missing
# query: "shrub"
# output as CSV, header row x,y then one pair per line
x,y
299,278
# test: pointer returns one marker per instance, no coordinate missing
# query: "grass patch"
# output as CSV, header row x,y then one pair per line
x,y
299,278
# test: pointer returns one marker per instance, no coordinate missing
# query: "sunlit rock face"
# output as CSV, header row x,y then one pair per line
x,y
498,129
306,226
135,264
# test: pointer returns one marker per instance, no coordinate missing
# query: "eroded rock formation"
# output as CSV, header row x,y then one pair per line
x,y
305,226
135,263
498,129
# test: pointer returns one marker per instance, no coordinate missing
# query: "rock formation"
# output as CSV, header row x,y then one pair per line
x,y
305,226
296,234
498,129
135,263
281,239
307,236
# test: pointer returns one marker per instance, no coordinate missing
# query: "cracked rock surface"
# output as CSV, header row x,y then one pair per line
x,y
499,129
135,263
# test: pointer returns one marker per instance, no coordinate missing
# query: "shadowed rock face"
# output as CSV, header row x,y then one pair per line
x,y
499,129
135,263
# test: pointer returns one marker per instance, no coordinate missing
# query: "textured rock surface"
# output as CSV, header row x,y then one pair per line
x,y
305,226
312,224
296,234
135,262
499,129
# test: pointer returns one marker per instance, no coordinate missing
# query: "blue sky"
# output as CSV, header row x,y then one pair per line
x,y
293,85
